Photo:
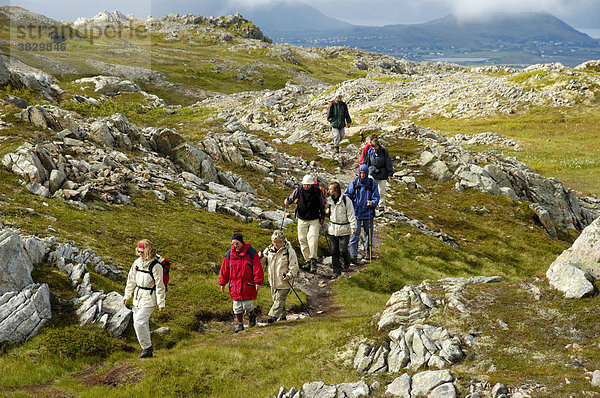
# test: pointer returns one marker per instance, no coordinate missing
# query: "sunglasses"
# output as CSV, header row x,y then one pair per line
x,y
140,251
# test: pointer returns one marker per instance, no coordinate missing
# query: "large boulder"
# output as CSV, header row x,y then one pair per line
x,y
23,312
574,270
15,263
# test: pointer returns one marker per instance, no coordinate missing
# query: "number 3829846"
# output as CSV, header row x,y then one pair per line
x,y
42,47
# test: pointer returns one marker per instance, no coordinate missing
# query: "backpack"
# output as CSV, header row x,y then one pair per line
x,y
251,253
166,267
369,188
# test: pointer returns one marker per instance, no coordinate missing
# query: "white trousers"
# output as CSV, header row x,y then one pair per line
x,y
338,135
141,324
308,237
381,184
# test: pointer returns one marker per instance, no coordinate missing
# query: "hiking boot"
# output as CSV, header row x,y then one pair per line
x,y
272,319
282,318
252,319
354,260
147,352
313,265
337,149
239,328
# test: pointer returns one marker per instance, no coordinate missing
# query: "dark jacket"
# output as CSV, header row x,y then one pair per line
x,y
380,163
242,271
311,205
338,114
360,191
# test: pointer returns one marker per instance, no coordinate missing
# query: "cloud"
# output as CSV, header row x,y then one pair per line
x,y
471,9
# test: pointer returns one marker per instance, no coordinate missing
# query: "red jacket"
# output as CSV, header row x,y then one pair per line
x,y
242,271
364,152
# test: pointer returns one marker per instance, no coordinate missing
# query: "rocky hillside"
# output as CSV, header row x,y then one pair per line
x,y
466,294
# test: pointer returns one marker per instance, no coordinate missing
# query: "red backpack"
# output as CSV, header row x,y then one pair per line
x,y
166,267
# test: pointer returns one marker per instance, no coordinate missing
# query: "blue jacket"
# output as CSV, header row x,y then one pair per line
x,y
360,191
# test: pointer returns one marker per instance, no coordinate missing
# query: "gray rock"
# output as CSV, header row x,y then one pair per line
x,y
15,263
100,133
24,312
498,390
362,359
113,303
318,389
17,101
57,177
119,322
544,218
35,249
424,382
567,277
353,390
400,387
596,378
440,171
446,390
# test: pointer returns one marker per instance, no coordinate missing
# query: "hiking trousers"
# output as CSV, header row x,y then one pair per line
x,y
339,248
381,184
141,324
308,237
367,227
338,135
278,308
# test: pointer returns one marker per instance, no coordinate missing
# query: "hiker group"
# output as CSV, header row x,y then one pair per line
x,y
351,215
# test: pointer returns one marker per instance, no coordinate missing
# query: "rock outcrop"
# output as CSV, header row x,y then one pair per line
x,y
577,267
24,305
19,75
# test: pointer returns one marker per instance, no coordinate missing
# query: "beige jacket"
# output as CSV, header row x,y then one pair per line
x,y
142,297
341,216
278,262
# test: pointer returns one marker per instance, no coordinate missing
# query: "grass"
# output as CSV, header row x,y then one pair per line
x,y
502,240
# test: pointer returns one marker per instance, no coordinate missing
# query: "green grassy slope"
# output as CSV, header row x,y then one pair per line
x,y
496,236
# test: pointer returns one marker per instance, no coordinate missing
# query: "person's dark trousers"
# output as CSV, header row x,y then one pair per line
x,y
339,249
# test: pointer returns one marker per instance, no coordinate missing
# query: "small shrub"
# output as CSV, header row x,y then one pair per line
x,y
77,342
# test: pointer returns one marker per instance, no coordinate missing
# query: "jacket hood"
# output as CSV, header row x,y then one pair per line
x,y
242,252
365,168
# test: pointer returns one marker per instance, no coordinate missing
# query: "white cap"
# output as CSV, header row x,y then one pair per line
x,y
307,179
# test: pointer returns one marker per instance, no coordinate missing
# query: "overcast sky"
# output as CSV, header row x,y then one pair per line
x,y
578,13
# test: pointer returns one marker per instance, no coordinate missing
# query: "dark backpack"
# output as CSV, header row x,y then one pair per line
x,y
251,253
368,188
166,267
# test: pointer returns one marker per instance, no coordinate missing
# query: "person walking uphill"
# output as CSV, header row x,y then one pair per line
x,y
380,168
365,196
242,271
282,263
339,117
342,225
145,284
311,215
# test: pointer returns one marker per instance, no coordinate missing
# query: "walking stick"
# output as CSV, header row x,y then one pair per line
x,y
294,290
283,219
371,237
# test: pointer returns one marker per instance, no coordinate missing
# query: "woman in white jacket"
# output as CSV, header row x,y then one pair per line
x,y
145,284
342,222
282,262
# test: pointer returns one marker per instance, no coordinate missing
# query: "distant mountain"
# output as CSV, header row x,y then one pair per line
x,y
523,37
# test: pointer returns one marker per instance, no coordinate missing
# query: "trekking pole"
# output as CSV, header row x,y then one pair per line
x,y
294,290
283,219
371,221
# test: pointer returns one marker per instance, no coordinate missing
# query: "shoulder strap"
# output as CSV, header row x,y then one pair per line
x,y
251,252
228,256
